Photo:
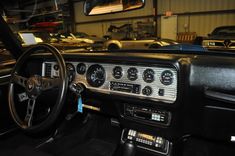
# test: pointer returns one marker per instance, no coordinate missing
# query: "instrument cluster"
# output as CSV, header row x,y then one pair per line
x,y
156,83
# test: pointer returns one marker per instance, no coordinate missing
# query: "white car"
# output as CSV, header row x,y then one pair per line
x,y
137,44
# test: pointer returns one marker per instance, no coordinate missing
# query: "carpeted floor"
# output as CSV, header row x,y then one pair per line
x,y
94,138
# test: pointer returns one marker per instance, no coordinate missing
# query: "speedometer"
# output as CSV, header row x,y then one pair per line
x,y
96,75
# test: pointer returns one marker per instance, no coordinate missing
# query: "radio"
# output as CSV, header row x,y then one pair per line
x,y
145,141
147,114
125,87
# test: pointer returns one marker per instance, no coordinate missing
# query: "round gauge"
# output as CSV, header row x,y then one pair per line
x,y
81,68
117,72
148,75
71,71
147,91
167,77
132,74
96,75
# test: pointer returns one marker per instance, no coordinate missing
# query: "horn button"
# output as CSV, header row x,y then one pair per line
x,y
34,86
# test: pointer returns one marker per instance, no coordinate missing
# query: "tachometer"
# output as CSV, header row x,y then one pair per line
x,y
96,75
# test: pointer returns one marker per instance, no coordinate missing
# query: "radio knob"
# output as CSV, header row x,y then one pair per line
x,y
147,91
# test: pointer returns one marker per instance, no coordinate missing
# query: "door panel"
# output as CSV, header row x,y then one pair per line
x,y
6,122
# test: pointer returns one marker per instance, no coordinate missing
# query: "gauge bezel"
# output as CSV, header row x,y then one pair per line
x,y
78,71
162,79
134,77
114,71
90,71
145,74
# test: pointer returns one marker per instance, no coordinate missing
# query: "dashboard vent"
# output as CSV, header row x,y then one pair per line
x,y
48,70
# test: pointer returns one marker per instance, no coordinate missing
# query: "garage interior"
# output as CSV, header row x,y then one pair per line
x,y
182,17
158,80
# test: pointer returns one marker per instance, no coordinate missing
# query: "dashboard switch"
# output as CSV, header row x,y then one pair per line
x,y
161,92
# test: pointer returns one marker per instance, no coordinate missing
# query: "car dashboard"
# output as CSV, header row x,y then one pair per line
x,y
157,83
158,99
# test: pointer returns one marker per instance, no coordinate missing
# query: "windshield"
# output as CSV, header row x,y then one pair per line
x,y
182,25
230,31
4,54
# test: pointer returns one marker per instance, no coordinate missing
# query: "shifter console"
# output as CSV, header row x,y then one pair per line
x,y
148,142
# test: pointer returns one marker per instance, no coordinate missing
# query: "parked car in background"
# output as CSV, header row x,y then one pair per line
x,y
137,43
97,42
94,43
62,42
222,38
49,22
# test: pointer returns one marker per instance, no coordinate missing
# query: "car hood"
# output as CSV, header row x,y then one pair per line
x,y
218,37
94,38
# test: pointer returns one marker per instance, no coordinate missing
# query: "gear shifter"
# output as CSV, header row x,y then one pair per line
x,y
129,148
126,149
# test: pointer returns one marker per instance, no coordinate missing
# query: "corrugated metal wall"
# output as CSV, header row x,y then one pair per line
x,y
181,6
202,24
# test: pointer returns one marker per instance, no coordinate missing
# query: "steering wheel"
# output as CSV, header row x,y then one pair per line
x,y
34,86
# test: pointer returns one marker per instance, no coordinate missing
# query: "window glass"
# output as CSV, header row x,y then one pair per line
x,y
4,54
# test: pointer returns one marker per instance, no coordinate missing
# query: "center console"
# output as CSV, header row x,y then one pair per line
x,y
147,142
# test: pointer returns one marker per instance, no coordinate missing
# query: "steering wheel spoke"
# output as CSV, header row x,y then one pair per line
x,y
29,113
20,80
49,83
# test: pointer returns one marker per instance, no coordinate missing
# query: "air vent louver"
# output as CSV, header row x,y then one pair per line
x,y
48,70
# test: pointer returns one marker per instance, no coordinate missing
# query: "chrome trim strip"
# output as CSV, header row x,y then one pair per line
x,y
5,76
43,69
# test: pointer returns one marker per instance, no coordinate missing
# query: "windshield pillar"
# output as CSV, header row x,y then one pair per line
x,y
9,39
